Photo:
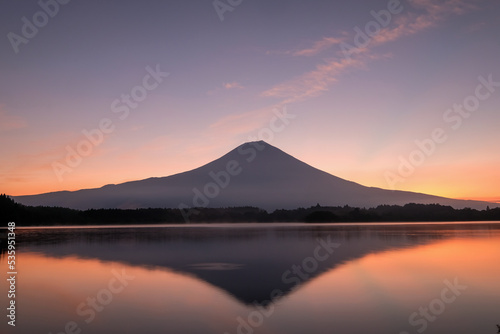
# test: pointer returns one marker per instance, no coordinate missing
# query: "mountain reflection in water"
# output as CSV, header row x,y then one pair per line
x,y
194,279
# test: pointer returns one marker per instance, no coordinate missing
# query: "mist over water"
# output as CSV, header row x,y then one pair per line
x,y
253,278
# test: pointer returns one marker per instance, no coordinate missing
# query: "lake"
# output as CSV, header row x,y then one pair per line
x,y
257,278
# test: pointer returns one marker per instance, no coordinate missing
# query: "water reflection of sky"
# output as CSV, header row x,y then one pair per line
x,y
201,280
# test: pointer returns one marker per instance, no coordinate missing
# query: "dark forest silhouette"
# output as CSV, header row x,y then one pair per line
x,y
33,216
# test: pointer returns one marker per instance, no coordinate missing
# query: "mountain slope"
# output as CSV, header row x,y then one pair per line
x,y
253,174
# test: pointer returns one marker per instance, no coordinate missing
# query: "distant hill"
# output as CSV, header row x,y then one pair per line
x,y
253,174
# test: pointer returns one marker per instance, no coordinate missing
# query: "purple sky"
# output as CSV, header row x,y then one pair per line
x,y
359,101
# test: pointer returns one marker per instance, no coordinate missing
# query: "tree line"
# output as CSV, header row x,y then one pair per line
x,y
47,216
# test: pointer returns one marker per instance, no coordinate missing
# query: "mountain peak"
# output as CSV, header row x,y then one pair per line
x,y
257,144
255,173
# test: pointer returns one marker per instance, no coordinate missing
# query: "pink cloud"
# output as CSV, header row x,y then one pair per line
x,y
318,46
411,23
475,27
232,85
237,124
317,81
10,122
225,86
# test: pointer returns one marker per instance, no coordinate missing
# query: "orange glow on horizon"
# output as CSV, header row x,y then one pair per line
x,y
465,181
395,272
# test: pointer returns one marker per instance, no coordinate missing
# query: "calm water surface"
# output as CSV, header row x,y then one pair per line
x,y
255,278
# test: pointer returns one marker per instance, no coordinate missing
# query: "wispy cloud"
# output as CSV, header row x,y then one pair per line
x,y
438,8
411,23
231,130
10,122
422,15
232,85
25,168
321,45
475,27
311,84
317,47
225,86
238,124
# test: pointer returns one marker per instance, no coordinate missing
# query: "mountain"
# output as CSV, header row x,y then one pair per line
x,y
243,261
253,174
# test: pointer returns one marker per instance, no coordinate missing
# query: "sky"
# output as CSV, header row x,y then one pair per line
x,y
392,94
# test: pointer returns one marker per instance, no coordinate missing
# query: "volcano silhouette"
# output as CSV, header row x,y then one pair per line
x,y
253,174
